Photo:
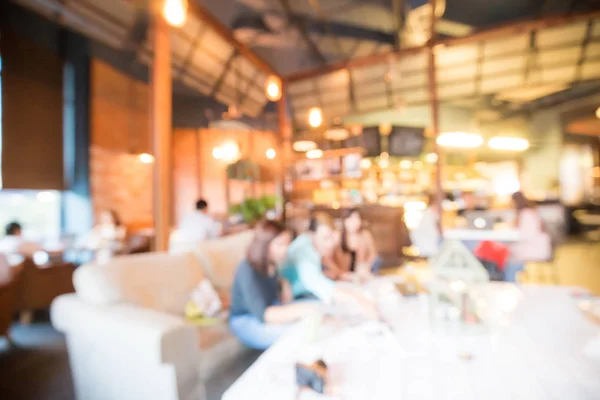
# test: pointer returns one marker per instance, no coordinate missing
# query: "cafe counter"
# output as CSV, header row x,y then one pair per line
x,y
385,223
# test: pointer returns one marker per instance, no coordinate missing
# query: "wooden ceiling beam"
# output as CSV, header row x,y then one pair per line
x,y
226,34
312,46
523,27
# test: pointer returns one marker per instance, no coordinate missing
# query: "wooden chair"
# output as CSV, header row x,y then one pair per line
x,y
8,295
39,286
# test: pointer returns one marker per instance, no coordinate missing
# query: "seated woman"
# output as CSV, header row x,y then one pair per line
x,y
108,235
535,244
258,316
357,252
304,267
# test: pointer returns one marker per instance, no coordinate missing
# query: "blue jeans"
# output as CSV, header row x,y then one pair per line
x,y
254,333
510,270
376,265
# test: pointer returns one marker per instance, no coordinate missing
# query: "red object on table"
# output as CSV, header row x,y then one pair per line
x,y
493,252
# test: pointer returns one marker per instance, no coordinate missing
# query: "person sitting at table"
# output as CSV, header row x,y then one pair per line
x,y
14,243
108,234
535,244
259,312
356,253
199,225
303,267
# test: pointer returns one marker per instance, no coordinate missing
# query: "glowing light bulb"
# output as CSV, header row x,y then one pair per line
x,y
273,88
315,117
175,12
146,158
271,154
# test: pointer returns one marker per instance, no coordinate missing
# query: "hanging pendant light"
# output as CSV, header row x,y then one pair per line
x,y
304,142
337,133
304,145
314,154
273,88
315,117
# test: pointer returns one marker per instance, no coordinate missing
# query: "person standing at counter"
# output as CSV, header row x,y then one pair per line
x,y
426,236
356,252
304,267
535,244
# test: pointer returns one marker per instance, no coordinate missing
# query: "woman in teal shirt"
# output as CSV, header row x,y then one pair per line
x,y
303,267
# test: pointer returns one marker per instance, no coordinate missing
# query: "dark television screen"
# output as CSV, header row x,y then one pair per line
x,y
371,141
406,141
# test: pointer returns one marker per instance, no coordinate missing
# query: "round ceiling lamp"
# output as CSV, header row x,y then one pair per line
x,y
337,133
508,143
175,12
315,117
461,140
273,88
314,154
598,112
304,145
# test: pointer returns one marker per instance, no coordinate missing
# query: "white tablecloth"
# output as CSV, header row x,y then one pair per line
x,y
538,353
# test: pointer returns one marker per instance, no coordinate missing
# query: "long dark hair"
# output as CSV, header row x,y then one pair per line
x,y
521,202
345,215
116,218
258,251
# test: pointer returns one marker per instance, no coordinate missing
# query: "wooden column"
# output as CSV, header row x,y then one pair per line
x,y
160,122
434,105
284,153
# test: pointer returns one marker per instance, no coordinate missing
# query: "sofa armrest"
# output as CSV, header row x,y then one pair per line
x,y
124,351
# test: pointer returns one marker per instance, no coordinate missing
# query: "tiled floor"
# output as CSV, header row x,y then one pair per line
x,y
39,368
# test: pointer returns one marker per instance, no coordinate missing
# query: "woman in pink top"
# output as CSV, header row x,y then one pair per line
x,y
534,242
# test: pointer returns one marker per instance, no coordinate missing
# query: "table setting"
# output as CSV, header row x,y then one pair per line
x,y
533,343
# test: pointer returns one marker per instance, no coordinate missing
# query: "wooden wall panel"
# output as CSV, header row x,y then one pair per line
x,y
193,160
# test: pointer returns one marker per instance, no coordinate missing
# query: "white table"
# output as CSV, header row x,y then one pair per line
x,y
506,235
539,354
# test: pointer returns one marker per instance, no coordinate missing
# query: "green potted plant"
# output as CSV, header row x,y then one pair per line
x,y
252,210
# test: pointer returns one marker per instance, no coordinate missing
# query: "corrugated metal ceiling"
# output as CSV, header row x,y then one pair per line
x,y
201,58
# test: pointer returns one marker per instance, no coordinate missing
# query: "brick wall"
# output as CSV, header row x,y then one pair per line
x,y
119,124
119,130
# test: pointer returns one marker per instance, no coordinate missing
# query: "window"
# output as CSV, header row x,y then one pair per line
x,y
37,211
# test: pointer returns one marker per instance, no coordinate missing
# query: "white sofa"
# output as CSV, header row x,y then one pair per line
x,y
126,334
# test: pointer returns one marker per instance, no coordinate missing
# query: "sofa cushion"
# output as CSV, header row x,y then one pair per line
x,y
160,281
219,349
220,257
